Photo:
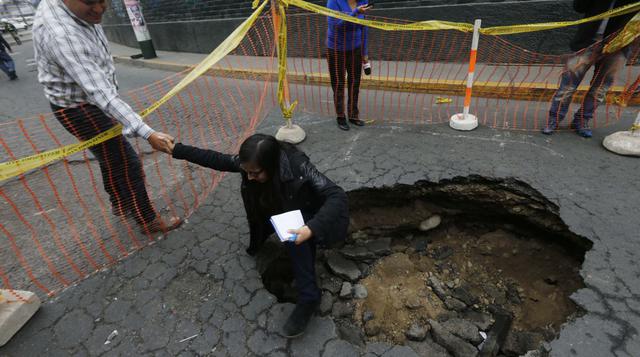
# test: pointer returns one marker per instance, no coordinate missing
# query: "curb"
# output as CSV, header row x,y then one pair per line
x,y
481,89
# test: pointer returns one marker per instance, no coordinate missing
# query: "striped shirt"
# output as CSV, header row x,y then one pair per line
x,y
75,65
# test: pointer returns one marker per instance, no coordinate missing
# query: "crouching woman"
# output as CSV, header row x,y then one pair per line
x,y
277,178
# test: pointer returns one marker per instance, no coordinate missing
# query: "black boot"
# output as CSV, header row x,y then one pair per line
x,y
13,76
342,123
299,319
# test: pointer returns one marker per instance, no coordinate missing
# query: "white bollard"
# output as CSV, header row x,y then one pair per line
x,y
625,142
464,120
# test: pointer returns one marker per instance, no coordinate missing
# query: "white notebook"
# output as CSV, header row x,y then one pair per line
x,y
285,221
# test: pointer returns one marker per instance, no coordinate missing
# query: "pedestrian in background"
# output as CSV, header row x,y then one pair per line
x,y
589,42
346,53
6,62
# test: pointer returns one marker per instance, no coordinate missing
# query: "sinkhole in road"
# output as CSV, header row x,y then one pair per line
x,y
457,266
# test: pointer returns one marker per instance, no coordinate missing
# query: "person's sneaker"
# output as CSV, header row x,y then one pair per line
x,y
552,125
299,319
548,130
342,123
584,132
13,76
356,122
581,128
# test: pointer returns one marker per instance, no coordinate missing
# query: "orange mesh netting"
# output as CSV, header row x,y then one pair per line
x,y
68,219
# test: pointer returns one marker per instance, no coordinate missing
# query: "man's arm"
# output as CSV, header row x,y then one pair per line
x,y
94,82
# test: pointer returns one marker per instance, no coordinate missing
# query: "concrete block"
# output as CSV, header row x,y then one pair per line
x,y
623,143
16,308
294,134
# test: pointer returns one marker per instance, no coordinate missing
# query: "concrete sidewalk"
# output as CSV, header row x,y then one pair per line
x,y
492,80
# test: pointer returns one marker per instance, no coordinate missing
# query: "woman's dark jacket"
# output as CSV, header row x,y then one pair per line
x,y
585,36
323,203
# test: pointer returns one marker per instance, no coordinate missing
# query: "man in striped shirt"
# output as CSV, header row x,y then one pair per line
x,y
77,71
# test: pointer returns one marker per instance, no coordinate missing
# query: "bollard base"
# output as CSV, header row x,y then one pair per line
x,y
16,308
294,134
623,143
458,122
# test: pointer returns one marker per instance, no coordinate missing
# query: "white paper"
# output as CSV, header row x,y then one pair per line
x,y
286,221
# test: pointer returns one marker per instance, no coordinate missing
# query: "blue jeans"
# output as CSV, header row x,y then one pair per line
x,y
303,264
6,63
606,69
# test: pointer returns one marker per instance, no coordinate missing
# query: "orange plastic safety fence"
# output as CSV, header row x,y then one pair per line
x,y
419,77
63,222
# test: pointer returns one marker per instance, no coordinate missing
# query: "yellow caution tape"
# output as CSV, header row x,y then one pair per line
x,y
422,25
228,45
629,33
514,29
446,25
287,110
17,167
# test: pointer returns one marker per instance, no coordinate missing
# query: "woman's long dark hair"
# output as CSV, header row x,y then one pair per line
x,y
264,151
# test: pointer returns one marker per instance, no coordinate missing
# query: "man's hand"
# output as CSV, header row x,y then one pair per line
x,y
161,142
303,234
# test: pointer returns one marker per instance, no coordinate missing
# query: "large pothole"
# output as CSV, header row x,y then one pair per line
x,y
453,267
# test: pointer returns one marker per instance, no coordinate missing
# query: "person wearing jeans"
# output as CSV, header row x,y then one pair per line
x,y
6,62
589,42
346,48
606,69
278,178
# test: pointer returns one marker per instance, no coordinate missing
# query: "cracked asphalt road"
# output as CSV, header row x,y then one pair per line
x,y
199,282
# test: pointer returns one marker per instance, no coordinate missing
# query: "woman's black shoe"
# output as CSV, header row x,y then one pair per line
x,y
356,122
299,319
342,123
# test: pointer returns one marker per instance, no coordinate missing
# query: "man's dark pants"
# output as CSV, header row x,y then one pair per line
x,y
122,173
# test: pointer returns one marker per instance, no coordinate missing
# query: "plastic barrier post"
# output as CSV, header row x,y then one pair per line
x,y
466,121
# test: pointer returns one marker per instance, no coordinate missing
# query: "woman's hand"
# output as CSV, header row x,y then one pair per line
x,y
363,8
303,234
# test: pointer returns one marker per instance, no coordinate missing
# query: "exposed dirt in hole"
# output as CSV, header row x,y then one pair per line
x,y
521,275
431,265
